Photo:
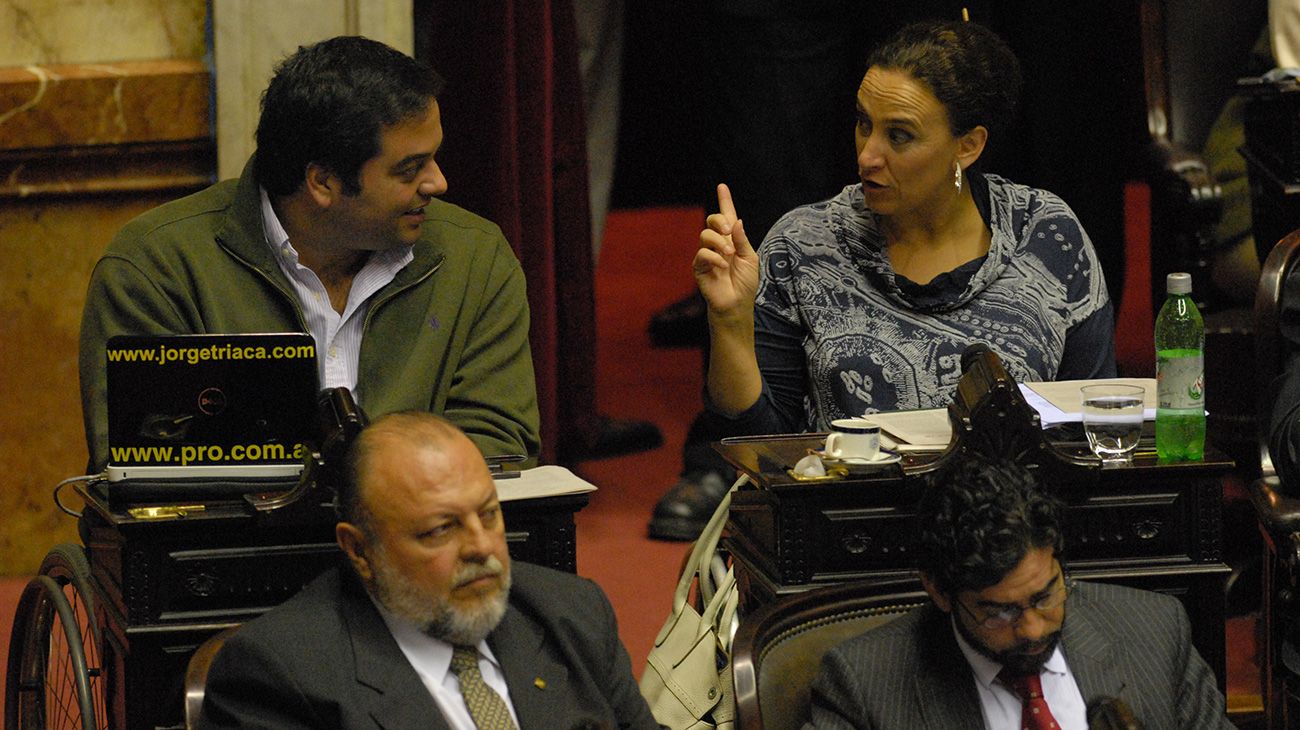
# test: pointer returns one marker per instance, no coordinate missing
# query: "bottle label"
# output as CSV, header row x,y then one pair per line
x,y
1180,383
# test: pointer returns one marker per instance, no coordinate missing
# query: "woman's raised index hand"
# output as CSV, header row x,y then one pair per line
x,y
725,206
725,265
730,225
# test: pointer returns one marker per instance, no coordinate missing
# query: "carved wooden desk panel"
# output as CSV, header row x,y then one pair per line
x,y
165,586
1149,526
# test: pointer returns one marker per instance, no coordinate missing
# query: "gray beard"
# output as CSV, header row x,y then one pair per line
x,y
437,617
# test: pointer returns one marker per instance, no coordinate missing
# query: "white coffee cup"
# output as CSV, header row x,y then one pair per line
x,y
853,438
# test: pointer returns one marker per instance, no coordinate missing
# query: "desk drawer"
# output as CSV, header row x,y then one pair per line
x,y
1145,526
838,537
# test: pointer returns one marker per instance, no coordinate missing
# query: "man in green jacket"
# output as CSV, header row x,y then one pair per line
x,y
335,229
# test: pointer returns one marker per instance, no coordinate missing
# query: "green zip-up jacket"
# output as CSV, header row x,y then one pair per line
x,y
449,334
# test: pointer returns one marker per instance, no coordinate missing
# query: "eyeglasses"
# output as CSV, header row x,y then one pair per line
x,y
1010,614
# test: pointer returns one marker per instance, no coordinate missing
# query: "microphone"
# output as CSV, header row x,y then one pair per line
x,y
1111,713
972,353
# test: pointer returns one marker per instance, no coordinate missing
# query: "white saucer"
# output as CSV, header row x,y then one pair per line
x,y
882,458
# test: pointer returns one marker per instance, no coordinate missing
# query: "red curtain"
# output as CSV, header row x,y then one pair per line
x,y
515,153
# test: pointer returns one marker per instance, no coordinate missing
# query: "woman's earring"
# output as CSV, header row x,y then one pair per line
x,y
956,175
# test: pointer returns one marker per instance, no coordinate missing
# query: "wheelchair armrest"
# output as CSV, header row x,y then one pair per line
x,y
1182,181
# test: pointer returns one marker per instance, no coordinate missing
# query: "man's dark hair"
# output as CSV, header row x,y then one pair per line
x,y
979,519
968,68
327,104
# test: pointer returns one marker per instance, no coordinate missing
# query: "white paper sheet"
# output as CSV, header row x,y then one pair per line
x,y
1062,402
1056,402
543,481
912,430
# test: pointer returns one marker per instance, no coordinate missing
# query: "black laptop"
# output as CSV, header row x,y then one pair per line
x,y
210,406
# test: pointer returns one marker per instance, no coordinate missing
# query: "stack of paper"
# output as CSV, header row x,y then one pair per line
x,y
913,430
1061,401
1056,402
543,481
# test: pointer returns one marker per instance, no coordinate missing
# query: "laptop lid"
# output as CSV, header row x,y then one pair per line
x,y
211,400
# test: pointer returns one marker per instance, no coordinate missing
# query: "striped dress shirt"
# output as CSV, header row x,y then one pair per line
x,y
338,335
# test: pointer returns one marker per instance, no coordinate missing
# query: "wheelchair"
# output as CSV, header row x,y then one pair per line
x,y
102,635
56,675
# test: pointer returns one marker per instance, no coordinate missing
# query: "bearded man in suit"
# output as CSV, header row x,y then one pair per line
x,y
426,610
1008,640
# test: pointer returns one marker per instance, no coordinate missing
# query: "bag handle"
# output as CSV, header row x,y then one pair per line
x,y
702,553
712,608
720,612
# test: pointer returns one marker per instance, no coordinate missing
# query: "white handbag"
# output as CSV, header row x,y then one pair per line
x,y
687,679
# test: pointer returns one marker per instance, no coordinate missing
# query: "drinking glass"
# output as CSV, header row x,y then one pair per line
x,y
1112,420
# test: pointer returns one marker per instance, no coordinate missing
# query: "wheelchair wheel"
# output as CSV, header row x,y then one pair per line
x,y
50,683
67,564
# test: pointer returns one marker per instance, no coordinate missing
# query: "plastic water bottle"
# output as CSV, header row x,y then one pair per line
x,y
1180,374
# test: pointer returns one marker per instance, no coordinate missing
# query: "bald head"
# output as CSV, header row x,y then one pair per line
x,y
394,437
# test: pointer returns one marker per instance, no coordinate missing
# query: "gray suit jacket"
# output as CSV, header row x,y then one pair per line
x,y
1119,642
325,659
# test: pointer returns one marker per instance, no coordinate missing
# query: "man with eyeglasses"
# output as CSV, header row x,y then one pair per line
x,y
1009,641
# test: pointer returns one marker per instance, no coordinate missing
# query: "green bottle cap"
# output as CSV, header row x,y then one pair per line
x,y
1179,283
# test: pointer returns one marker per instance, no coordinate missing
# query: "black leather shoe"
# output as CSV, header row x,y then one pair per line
x,y
608,437
683,512
684,323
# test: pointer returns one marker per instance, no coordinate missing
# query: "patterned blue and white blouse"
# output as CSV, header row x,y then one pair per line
x,y
839,333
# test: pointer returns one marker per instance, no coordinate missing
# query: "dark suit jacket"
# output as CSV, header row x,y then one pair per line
x,y
1119,642
325,659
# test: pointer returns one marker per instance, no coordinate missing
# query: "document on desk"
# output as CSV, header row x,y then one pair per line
x,y
542,481
924,430
1056,402
1061,402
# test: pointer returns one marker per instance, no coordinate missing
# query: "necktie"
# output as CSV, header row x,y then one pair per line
x,y
486,708
1034,713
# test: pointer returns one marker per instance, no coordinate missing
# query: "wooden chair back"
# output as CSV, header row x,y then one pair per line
x,y
778,649
1270,350
196,674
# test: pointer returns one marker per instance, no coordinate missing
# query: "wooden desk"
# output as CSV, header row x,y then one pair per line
x,y
165,586
1148,526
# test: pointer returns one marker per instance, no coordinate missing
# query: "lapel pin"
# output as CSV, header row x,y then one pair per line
x,y
539,683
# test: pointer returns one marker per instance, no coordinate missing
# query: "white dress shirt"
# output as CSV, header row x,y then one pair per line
x,y
338,336
1002,707
431,659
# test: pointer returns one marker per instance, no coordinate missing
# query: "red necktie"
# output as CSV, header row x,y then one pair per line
x,y
1034,713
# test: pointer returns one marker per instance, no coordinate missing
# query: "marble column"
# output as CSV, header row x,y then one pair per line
x,y
251,36
104,113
